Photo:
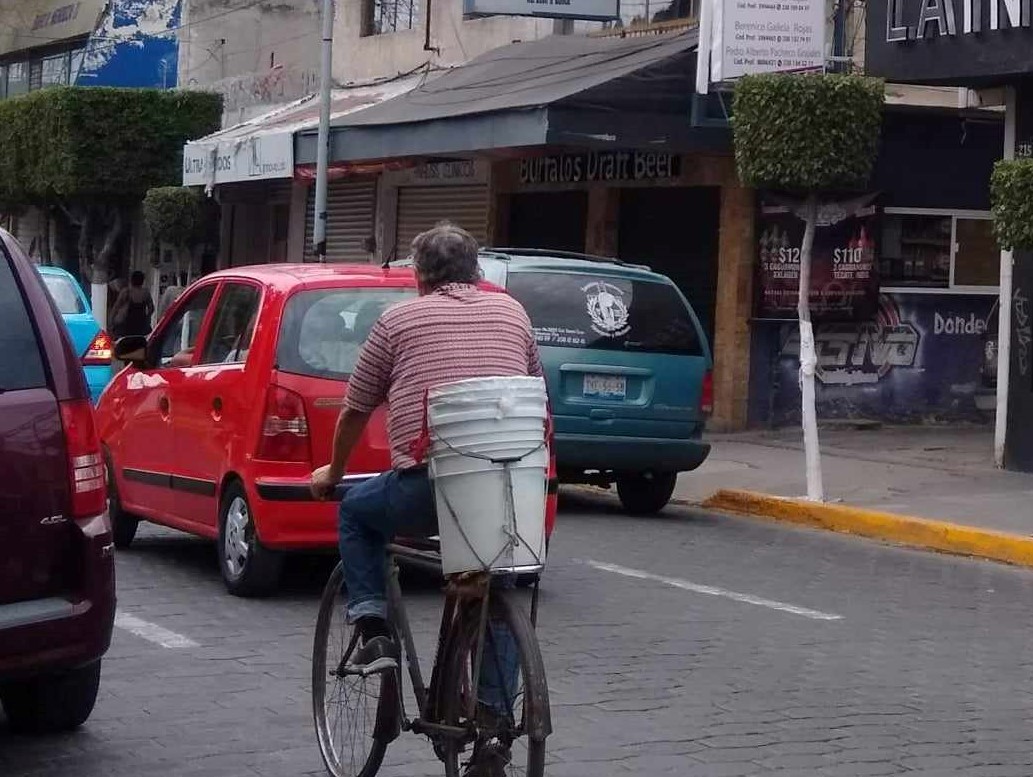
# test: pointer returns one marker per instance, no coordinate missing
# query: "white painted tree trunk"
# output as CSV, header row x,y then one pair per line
x,y
99,302
808,359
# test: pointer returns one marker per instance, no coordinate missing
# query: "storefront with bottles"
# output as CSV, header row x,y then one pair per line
x,y
905,284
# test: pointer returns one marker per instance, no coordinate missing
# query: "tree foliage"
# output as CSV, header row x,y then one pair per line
x,y
97,143
180,216
1011,193
806,133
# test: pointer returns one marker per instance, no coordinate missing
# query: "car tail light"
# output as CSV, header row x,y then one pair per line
x,y
706,401
285,434
85,463
99,352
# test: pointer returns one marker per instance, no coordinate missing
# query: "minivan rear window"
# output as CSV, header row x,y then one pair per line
x,y
22,364
66,296
606,313
323,330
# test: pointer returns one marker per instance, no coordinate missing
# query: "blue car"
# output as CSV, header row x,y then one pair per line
x,y
627,366
90,341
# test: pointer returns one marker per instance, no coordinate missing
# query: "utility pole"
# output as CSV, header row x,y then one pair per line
x,y
323,156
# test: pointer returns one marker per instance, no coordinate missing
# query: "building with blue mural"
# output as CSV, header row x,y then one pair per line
x,y
128,43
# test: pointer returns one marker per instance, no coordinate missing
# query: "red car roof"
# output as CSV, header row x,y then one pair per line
x,y
290,276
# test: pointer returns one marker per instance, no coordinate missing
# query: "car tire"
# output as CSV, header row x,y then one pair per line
x,y
123,524
51,703
646,493
248,569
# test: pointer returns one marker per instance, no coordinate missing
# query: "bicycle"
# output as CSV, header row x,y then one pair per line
x,y
357,716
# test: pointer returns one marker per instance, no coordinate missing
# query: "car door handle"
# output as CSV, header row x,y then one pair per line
x,y
217,408
163,406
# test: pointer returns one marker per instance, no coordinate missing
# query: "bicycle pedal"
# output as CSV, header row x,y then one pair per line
x,y
374,667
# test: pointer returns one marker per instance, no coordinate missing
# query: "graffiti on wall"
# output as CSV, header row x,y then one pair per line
x,y
920,356
134,45
1023,329
271,87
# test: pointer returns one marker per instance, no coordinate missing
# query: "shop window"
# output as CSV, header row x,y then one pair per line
x,y
54,71
17,79
643,13
385,16
934,250
35,74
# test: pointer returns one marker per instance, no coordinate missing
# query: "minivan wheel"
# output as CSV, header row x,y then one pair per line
x,y
123,524
646,493
51,703
248,569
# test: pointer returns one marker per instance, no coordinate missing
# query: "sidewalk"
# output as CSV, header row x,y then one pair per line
x,y
875,479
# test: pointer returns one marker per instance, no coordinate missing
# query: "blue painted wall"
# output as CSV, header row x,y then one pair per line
x,y
135,45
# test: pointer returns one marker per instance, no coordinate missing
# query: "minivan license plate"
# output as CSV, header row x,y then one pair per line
x,y
606,386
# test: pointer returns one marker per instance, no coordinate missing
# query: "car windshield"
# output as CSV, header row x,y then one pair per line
x,y
606,313
64,293
323,330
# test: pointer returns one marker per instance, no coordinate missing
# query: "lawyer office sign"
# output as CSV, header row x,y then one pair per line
x,y
960,42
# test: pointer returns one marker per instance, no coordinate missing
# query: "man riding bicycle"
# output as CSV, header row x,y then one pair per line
x,y
452,331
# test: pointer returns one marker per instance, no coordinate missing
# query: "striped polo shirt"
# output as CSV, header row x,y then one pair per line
x,y
456,332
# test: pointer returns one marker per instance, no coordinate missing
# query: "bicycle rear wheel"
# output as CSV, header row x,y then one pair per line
x,y
352,714
513,696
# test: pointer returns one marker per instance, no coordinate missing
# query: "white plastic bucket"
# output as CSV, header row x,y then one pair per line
x,y
489,466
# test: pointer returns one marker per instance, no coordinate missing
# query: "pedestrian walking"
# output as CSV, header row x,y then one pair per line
x,y
133,309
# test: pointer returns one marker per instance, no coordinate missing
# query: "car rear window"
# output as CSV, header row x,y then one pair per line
x,y
606,313
323,330
65,295
22,363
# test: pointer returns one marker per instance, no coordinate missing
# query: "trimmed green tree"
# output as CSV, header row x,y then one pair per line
x,y
1011,194
802,135
181,217
88,155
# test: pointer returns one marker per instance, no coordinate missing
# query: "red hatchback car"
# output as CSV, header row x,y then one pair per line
x,y
224,411
57,574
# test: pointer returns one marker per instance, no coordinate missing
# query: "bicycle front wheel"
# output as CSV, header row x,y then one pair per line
x,y
351,713
512,717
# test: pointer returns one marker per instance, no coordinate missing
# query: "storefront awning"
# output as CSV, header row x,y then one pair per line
x,y
562,90
263,148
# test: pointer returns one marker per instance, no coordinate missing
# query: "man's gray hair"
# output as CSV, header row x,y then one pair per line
x,y
445,254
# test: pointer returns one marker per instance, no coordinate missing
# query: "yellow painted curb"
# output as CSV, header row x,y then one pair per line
x,y
906,530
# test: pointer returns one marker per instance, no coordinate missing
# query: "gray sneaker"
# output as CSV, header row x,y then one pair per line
x,y
490,759
376,655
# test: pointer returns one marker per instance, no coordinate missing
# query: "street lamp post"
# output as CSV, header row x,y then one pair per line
x,y
323,156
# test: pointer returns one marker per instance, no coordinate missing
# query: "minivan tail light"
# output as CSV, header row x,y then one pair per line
x,y
706,402
285,435
99,351
87,487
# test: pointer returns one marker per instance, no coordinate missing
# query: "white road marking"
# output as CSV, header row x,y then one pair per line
x,y
152,632
709,590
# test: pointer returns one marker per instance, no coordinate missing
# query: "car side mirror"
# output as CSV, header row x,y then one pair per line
x,y
132,349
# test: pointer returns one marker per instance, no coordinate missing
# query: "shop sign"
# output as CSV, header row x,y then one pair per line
x,y
255,158
954,41
920,356
445,171
844,276
767,36
60,15
589,10
602,166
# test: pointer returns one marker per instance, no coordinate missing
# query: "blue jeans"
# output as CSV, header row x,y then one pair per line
x,y
402,502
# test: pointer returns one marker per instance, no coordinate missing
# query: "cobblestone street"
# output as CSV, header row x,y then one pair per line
x,y
687,644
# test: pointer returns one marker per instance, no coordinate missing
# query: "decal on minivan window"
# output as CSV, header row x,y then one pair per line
x,y
606,306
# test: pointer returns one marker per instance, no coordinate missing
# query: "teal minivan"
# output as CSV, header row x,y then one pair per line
x,y
627,365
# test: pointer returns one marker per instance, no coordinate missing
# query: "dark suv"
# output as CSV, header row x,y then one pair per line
x,y
57,580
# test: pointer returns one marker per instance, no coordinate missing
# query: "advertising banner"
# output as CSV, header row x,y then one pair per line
x,y
767,36
919,358
844,269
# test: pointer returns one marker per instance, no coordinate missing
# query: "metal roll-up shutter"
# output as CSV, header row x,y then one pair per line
x,y
421,207
350,213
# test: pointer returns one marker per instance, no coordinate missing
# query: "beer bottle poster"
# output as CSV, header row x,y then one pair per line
x,y
844,262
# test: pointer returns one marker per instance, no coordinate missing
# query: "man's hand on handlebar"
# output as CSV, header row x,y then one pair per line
x,y
323,483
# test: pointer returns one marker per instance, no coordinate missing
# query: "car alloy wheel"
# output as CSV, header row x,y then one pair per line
x,y
236,541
